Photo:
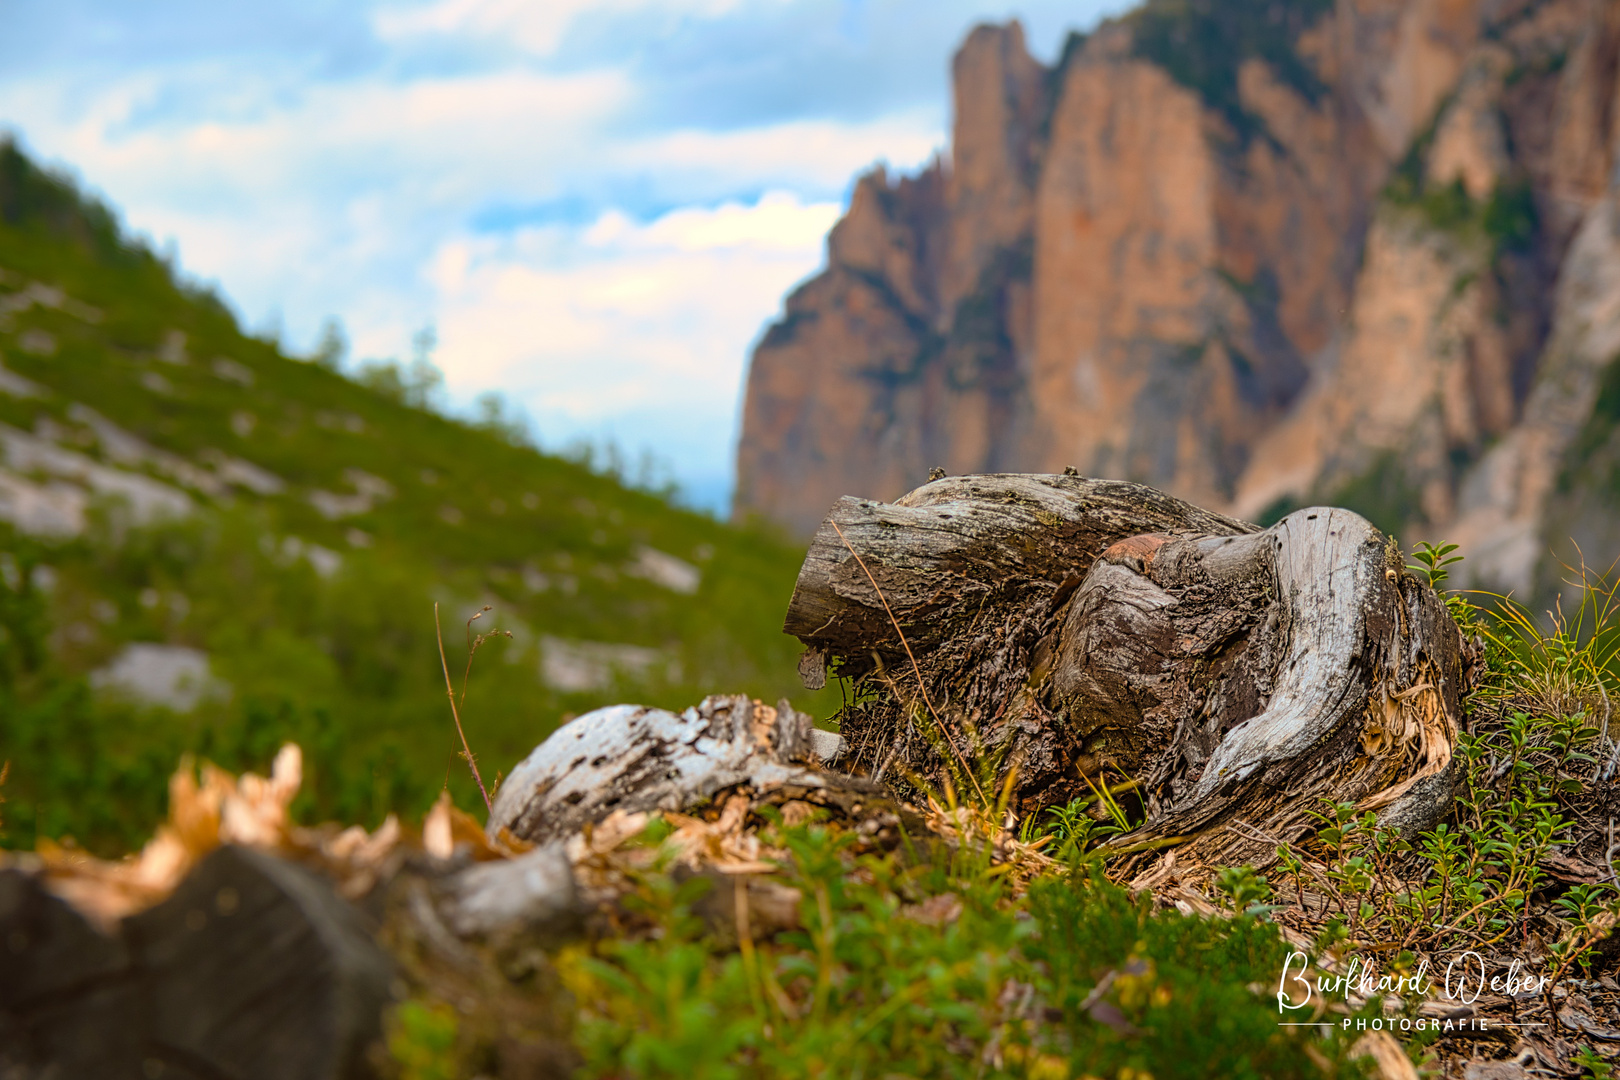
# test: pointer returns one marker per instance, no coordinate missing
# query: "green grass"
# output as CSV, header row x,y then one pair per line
x,y
1070,978
345,663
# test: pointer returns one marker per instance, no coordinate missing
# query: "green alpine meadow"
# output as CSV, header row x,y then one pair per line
x,y
288,536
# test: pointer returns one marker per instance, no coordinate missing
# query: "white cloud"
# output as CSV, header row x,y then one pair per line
x,y
412,188
627,320
804,154
537,28
777,222
443,137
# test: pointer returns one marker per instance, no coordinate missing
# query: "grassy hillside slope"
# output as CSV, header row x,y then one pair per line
x,y
166,479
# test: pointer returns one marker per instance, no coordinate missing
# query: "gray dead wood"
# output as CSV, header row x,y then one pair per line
x,y
944,552
633,758
531,894
1083,630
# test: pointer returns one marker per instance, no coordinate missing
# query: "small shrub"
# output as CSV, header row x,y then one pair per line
x,y
1072,978
422,1041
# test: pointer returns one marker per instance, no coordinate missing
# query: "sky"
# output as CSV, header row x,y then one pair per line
x,y
596,205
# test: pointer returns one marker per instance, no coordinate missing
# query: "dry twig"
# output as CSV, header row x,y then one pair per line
x,y
450,692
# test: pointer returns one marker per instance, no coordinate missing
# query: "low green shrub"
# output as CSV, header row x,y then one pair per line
x,y
942,969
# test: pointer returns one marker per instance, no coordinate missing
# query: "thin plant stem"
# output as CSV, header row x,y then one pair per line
x,y
745,944
450,692
915,670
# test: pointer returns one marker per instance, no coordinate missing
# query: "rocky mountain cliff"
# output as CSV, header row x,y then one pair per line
x,y
1364,252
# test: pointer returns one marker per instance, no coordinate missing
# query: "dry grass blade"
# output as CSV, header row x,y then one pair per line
x,y
455,713
915,670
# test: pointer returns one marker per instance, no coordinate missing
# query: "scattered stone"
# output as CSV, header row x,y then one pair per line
x,y
245,474
340,422
58,509
17,386
37,342
828,746
52,510
172,350
325,561
123,448
368,491
172,675
664,569
231,371
577,666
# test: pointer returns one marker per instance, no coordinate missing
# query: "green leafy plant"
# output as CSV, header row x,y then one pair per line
x,y
1432,562
1467,882
1591,1064
422,1040
942,966
1247,891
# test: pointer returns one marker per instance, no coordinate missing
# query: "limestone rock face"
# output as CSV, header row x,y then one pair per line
x,y
1310,252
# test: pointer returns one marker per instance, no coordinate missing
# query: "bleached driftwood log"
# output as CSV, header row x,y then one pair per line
x,y
1085,631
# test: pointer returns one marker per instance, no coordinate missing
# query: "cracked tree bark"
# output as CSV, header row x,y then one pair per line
x,y
1082,631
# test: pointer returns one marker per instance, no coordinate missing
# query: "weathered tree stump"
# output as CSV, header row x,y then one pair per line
x,y
255,968
252,968
67,1001
1083,631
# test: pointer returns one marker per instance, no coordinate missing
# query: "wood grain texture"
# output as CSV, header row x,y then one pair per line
x,y
1076,629
632,758
943,550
